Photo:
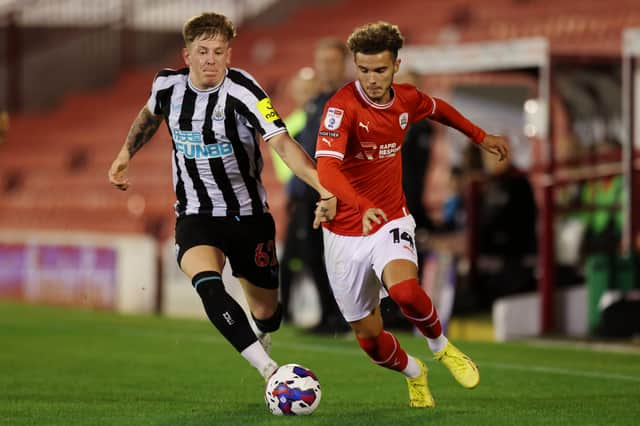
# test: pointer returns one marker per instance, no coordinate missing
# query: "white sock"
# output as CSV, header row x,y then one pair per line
x,y
413,369
437,344
257,357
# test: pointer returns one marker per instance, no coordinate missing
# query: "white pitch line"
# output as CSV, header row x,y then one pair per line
x,y
356,352
559,371
588,346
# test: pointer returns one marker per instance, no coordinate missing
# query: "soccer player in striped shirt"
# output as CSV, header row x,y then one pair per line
x,y
371,239
216,116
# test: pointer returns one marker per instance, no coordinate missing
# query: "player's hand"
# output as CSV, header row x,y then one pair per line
x,y
118,173
325,211
371,216
496,145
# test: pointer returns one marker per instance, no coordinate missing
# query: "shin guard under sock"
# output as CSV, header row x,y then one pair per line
x,y
417,307
223,311
385,351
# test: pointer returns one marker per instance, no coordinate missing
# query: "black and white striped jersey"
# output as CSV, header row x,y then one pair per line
x,y
216,154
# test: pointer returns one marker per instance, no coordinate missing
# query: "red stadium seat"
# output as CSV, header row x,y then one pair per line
x,y
56,177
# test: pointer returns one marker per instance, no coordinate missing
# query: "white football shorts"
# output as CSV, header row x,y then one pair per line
x,y
355,264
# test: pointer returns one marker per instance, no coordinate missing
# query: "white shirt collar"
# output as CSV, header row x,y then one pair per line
x,y
364,96
211,90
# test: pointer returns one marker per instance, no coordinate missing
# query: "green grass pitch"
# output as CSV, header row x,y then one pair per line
x,y
77,367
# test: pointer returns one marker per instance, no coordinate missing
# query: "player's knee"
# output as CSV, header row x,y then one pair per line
x,y
265,310
208,284
405,292
270,323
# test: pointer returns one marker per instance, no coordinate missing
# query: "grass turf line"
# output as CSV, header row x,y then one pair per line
x,y
76,367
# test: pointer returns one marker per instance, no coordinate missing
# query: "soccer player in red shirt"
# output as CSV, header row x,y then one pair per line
x,y
371,239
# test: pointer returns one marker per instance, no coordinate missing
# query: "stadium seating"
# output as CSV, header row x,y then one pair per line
x,y
53,167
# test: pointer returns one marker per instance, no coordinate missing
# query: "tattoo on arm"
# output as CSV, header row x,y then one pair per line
x,y
142,130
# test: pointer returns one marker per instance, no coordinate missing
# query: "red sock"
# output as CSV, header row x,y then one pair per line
x,y
416,305
385,350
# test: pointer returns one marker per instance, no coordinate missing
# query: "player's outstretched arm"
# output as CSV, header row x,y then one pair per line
x,y
449,116
142,130
298,161
325,210
496,145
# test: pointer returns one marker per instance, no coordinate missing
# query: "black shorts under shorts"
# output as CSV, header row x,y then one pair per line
x,y
247,241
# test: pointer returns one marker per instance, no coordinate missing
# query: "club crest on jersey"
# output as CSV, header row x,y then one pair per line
x,y
404,120
333,118
218,113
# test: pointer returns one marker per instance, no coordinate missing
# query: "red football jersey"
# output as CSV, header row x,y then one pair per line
x,y
366,139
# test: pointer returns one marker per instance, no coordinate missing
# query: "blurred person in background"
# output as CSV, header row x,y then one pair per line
x,y
507,239
303,246
450,236
601,200
370,244
607,269
301,88
570,225
216,115
445,246
4,125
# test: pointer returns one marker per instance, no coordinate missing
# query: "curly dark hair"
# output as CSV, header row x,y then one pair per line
x,y
376,38
208,25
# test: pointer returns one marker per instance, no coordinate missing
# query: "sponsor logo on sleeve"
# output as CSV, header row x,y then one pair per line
x,y
330,134
404,120
267,110
333,118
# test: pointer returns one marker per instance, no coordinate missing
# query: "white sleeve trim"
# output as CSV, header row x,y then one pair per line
x,y
334,154
433,110
278,130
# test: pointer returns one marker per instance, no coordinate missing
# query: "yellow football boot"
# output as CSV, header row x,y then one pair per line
x,y
419,393
461,366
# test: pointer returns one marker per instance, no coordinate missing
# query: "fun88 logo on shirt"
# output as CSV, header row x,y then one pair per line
x,y
191,145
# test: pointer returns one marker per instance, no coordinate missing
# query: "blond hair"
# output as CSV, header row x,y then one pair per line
x,y
208,25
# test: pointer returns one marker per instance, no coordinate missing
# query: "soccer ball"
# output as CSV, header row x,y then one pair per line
x,y
293,390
